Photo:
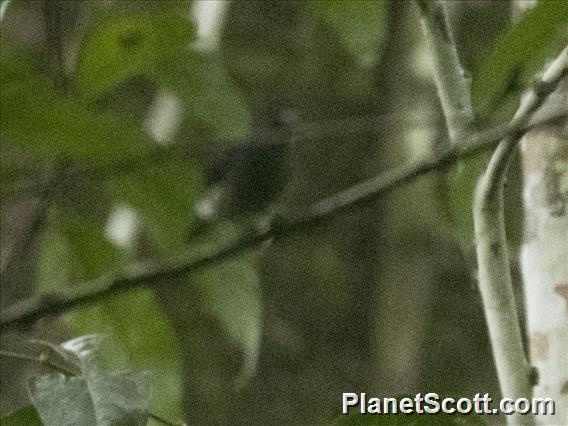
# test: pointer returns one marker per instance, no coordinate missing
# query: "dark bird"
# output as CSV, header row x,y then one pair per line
x,y
244,178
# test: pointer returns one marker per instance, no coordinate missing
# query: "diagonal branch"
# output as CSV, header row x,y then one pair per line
x,y
30,310
515,374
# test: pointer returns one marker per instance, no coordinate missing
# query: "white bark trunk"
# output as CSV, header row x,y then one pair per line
x,y
545,255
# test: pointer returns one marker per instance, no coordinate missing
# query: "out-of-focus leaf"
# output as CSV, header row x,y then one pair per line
x,y
164,195
157,46
72,251
95,397
359,24
231,291
42,119
459,196
208,93
461,183
26,416
93,254
128,45
519,53
138,326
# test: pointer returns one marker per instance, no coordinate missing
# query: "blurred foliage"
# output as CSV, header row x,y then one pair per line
x,y
27,416
240,313
359,24
122,47
95,129
164,195
458,200
202,83
517,55
40,117
156,45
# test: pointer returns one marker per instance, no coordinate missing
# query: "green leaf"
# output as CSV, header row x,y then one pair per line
x,y
157,46
44,120
209,95
91,253
359,24
164,195
134,319
238,309
137,324
95,397
128,45
519,53
27,416
458,198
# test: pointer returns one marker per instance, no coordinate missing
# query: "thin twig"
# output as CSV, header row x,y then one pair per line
x,y
30,310
513,368
28,233
449,75
42,360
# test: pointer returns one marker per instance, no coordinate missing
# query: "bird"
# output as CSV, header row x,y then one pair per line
x,y
245,177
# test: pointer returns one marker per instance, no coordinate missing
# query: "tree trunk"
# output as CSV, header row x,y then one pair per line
x,y
545,254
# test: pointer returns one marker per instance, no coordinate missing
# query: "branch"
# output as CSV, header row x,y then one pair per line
x,y
449,76
30,310
513,368
29,231
42,360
